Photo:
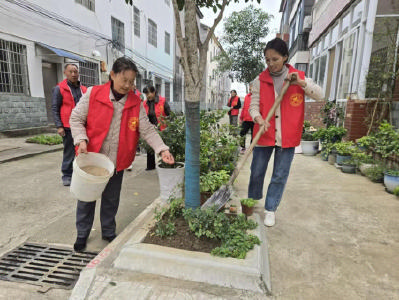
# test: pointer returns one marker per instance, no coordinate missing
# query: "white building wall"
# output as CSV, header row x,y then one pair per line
x,y
154,61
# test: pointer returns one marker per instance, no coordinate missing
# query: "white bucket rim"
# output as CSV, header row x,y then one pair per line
x,y
91,176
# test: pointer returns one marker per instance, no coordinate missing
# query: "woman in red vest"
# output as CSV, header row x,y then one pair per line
x,y
246,120
109,119
283,132
157,109
235,104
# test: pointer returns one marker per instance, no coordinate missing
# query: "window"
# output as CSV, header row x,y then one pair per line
x,y
357,13
302,67
167,91
347,60
345,23
118,34
152,32
322,72
136,21
334,35
167,42
13,68
138,82
90,4
88,72
167,2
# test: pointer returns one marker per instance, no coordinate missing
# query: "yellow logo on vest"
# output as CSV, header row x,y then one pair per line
x,y
296,99
133,123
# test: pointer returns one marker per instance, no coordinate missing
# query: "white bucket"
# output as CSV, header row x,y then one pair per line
x,y
171,181
87,187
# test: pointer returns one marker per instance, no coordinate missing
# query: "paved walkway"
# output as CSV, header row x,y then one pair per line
x,y
336,237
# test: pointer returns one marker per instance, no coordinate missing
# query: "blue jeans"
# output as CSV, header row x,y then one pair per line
x,y
281,169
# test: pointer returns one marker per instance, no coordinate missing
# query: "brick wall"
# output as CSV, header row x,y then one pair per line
x,y
18,112
312,113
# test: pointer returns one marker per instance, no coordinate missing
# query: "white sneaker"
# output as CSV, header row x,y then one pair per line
x,y
130,168
270,218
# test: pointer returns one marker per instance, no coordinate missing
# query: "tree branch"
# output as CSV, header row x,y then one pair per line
x,y
180,40
215,23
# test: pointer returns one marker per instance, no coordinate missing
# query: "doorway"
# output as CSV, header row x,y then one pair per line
x,y
49,71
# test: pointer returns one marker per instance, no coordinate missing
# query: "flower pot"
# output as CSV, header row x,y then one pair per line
x,y
332,158
350,169
248,211
171,181
363,167
391,182
342,158
310,148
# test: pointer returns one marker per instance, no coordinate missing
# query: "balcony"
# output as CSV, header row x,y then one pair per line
x,y
300,44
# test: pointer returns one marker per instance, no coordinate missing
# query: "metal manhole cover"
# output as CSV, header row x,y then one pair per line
x,y
44,265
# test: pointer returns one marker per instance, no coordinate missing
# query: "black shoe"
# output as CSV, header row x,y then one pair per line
x,y
149,169
80,244
109,238
66,181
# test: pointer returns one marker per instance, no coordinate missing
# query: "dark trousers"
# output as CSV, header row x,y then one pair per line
x,y
150,160
109,207
245,127
68,155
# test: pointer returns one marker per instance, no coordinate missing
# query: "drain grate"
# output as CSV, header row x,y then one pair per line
x,y
44,265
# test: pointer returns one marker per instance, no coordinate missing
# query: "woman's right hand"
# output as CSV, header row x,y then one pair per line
x,y
263,125
82,147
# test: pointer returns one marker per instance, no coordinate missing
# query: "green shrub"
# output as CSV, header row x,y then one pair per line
x,y
249,202
392,172
396,191
345,148
375,173
45,139
213,180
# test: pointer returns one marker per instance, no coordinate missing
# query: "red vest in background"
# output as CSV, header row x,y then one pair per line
x,y
159,111
245,116
233,102
67,101
292,111
99,120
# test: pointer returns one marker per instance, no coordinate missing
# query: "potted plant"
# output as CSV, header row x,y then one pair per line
x,y
210,183
375,173
348,166
247,206
309,143
344,151
366,142
363,161
233,209
171,177
391,179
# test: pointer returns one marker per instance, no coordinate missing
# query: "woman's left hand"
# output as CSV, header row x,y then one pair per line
x,y
297,80
167,157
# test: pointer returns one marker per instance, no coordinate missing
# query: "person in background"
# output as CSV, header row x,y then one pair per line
x,y
235,104
283,132
65,95
109,119
157,109
246,120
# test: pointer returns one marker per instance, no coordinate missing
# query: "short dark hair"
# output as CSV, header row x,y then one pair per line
x,y
233,91
277,45
123,64
149,89
71,64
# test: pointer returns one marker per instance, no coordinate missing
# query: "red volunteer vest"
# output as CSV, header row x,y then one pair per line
x,y
233,102
292,111
67,101
159,111
245,116
99,120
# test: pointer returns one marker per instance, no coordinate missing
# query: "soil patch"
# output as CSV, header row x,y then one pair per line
x,y
183,239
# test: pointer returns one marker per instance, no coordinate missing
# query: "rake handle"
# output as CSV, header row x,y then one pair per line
x,y
261,130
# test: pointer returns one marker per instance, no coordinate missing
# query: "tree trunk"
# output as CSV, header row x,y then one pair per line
x,y
192,172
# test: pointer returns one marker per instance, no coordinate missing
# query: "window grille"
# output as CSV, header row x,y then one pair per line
x,y
136,21
152,33
13,68
167,42
118,34
167,91
88,72
90,4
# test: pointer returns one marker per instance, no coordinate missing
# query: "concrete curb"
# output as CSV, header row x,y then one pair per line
x,y
28,154
105,258
265,263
